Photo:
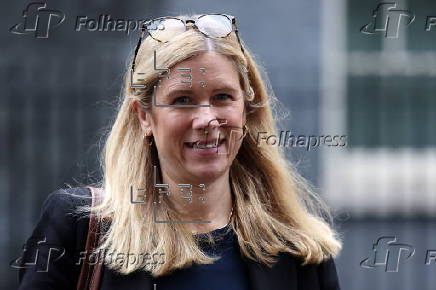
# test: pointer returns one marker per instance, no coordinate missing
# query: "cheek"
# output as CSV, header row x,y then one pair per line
x,y
236,114
170,127
236,118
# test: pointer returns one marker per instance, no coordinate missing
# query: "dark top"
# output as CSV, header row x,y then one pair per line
x,y
229,272
51,259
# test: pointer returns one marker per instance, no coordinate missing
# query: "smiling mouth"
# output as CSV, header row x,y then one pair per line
x,y
205,145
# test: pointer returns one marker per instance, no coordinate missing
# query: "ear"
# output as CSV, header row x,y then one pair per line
x,y
143,117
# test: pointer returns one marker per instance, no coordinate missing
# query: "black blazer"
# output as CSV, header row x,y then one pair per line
x,y
60,236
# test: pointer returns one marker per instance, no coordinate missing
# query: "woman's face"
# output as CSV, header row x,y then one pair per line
x,y
198,144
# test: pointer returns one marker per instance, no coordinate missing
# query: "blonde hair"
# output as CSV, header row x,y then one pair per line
x,y
275,209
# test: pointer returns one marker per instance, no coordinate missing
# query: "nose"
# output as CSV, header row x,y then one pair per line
x,y
206,119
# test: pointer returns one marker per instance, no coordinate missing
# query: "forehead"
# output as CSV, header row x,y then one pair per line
x,y
205,69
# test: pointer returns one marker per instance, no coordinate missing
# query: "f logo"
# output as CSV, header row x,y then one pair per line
x,y
36,253
387,253
39,20
387,19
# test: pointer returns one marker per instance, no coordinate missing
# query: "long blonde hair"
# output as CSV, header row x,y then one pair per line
x,y
275,209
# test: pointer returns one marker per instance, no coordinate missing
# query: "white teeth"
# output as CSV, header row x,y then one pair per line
x,y
208,146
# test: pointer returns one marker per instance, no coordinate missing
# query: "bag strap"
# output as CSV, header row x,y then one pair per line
x,y
90,274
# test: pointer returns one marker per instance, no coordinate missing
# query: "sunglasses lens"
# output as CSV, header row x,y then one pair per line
x,y
215,25
165,29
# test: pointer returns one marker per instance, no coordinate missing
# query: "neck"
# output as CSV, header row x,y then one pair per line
x,y
216,207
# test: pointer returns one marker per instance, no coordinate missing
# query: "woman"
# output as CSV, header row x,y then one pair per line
x,y
185,182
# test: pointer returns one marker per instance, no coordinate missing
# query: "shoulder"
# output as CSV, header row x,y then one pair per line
x,y
61,205
60,215
59,218
323,274
57,239
290,271
67,198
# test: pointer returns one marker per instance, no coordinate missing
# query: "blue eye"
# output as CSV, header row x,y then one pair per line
x,y
182,100
222,97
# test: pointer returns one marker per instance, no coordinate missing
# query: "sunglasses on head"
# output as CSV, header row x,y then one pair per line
x,y
163,29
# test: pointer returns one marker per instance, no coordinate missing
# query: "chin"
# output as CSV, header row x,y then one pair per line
x,y
207,171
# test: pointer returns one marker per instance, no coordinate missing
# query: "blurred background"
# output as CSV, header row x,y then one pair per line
x,y
59,89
